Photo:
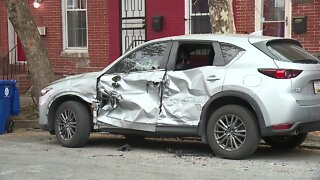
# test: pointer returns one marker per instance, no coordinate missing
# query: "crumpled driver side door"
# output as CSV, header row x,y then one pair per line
x,y
130,92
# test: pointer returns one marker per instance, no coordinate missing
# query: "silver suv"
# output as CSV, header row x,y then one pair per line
x,y
230,90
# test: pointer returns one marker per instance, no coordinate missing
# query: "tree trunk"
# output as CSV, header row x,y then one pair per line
x,y
40,68
221,16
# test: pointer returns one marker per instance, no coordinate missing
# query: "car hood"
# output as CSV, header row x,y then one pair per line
x,y
81,85
90,75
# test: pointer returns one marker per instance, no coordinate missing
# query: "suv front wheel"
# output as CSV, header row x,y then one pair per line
x,y
72,124
232,132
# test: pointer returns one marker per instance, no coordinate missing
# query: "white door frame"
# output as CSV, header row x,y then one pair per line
x,y
187,8
258,25
12,42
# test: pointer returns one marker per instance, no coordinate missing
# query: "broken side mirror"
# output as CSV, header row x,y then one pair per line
x,y
115,85
116,78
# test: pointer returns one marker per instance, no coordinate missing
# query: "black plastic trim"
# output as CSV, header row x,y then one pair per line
x,y
297,128
161,131
218,58
245,97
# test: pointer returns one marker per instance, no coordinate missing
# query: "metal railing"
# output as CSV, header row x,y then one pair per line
x,y
10,65
135,43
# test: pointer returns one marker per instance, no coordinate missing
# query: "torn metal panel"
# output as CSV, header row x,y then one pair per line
x,y
139,97
81,85
138,100
186,92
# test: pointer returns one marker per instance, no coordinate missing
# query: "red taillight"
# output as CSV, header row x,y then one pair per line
x,y
282,126
280,73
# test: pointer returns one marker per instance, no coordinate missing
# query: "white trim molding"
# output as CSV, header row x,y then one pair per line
x,y
65,31
259,18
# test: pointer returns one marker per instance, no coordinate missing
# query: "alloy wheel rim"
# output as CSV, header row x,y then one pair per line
x,y
230,132
67,124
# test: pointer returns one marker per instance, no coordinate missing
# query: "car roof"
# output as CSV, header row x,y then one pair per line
x,y
241,40
228,38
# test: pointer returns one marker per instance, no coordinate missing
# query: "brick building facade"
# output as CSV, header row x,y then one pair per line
x,y
107,27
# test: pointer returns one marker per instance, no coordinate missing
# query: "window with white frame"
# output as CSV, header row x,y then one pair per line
x,y
273,17
198,21
75,24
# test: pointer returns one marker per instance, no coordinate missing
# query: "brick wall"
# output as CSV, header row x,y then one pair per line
x,y
50,16
244,18
103,19
311,39
3,29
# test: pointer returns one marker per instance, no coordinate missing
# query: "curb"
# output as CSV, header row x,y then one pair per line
x,y
26,124
310,145
311,142
313,138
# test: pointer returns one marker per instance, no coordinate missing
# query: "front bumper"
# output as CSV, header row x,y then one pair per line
x,y
43,116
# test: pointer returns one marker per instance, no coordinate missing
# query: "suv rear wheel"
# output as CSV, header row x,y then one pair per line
x,y
285,142
72,124
232,132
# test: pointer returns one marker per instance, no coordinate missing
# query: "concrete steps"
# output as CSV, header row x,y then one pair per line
x,y
23,82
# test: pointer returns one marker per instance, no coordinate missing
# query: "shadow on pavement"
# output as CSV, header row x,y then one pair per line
x,y
193,148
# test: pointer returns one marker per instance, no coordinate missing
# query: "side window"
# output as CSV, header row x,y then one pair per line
x,y
144,59
229,51
192,55
75,26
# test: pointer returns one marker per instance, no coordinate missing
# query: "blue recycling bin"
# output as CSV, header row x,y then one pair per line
x,y
9,102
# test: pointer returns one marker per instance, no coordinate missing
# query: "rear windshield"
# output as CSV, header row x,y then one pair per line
x,y
290,52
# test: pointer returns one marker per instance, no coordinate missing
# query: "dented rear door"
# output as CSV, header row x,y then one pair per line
x,y
186,91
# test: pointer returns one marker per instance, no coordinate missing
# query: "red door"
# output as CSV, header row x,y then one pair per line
x,y
21,56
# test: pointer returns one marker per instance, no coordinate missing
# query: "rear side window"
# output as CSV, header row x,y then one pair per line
x,y
230,52
193,55
290,52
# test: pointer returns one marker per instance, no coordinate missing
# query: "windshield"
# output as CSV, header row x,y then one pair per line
x,y
290,52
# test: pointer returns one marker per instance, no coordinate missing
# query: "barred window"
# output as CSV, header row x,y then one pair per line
x,y
199,17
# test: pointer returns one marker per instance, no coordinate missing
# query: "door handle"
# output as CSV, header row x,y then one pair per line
x,y
212,78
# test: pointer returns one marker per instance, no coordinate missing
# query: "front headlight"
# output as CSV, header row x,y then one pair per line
x,y
45,91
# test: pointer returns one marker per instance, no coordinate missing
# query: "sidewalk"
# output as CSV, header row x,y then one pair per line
x,y
25,100
27,117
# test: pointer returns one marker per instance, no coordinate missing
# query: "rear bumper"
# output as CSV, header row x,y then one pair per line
x,y
297,128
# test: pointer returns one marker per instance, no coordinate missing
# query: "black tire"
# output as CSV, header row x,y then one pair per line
x,y
285,142
72,124
243,132
10,126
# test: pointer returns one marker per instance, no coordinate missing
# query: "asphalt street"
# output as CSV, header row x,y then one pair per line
x,y
33,154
